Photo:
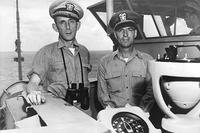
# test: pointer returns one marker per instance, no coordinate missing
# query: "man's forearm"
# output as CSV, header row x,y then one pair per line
x,y
148,100
33,83
34,95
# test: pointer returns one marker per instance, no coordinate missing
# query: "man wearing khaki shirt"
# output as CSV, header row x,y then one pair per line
x,y
62,66
123,76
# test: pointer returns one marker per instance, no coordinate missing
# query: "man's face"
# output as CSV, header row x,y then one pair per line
x,y
67,27
126,36
188,19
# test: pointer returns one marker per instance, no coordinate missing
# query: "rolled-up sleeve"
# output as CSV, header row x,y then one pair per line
x,y
86,63
86,59
102,90
40,64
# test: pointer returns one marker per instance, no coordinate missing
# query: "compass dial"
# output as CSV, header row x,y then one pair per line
x,y
126,122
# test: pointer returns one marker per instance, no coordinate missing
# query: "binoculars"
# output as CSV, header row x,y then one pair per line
x,y
80,95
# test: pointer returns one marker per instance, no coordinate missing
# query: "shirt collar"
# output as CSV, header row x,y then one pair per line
x,y
135,53
62,43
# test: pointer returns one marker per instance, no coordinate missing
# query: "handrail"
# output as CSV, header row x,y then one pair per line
x,y
6,93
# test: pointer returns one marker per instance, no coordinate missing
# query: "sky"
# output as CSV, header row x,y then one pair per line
x,y
36,26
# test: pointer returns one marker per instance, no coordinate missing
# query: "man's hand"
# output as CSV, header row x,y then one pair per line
x,y
34,95
35,98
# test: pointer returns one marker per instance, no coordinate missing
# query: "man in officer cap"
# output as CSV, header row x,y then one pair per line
x,y
123,76
63,65
192,16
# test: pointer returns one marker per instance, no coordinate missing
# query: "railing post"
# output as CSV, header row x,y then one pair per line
x,y
109,9
18,43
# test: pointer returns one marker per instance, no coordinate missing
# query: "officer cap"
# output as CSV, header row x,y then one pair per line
x,y
124,18
192,5
66,8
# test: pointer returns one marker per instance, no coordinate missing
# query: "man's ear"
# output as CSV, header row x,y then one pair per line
x,y
115,35
135,34
55,27
78,25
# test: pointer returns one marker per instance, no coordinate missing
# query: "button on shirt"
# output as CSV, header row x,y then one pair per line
x,y
48,65
121,82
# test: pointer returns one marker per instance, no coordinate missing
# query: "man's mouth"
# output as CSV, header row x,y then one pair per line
x,y
68,33
125,39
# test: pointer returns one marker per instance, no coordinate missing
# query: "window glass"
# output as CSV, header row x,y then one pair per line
x,y
150,27
181,27
102,15
161,22
160,26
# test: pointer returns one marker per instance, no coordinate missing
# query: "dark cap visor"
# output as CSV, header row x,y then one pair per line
x,y
125,24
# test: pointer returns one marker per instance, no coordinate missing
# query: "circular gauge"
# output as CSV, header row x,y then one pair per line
x,y
126,122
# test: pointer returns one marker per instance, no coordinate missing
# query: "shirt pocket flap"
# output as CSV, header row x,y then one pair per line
x,y
138,74
112,75
56,65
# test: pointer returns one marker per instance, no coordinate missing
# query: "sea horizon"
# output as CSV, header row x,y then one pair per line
x,y
9,68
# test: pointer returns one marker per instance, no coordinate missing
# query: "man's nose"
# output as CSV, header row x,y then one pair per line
x,y
125,32
67,25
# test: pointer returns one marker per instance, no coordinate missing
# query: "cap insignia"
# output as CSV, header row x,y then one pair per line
x,y
69,7
122,16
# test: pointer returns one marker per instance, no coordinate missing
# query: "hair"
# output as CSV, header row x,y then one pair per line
x,y
54,18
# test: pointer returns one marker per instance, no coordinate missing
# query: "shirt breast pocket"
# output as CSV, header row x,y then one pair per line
x,y
56,71
114,82
56,67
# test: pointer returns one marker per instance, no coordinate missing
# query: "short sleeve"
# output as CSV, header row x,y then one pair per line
x,y
85,56
40,64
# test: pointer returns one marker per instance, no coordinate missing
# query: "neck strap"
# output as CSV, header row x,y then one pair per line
x,y
64,63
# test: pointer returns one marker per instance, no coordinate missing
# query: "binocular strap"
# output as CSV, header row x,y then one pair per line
x,y
64,63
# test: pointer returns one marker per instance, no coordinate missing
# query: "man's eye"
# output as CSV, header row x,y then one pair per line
x,y
131,29
72,21
62,22
120,30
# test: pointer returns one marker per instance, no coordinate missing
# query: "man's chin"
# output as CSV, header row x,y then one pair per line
x,y
126,45
68,39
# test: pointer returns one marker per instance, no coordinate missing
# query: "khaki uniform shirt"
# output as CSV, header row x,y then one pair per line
x,y
48,65
121,82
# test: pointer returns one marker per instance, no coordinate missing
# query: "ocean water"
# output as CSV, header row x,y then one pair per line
x,y
9,68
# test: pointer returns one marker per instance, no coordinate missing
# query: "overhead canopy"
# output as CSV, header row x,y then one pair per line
x,y
159,16
141,6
